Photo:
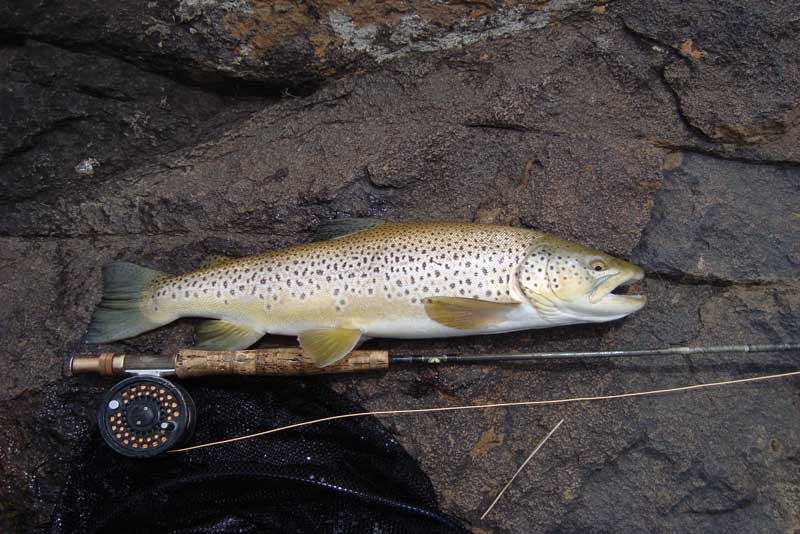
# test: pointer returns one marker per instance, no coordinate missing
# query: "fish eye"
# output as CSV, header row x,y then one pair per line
x,y
598,265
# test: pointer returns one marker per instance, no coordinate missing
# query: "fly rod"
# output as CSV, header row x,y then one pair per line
x,y
146,415
292,361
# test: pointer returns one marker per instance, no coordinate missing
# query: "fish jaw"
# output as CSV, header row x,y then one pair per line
x,y
616,305
603,287
623,305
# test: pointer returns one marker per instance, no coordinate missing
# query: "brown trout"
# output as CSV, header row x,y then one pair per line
x,y
375,279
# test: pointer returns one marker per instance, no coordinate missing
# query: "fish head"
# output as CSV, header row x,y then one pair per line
x,y
568,283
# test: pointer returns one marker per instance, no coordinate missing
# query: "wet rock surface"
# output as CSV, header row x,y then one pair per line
x,y
70,119
712,204
666,133
747,50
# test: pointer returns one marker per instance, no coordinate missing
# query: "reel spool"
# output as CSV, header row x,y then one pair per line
x,y
145,416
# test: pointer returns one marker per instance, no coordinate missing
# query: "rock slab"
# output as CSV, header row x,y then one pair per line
x,y
666,132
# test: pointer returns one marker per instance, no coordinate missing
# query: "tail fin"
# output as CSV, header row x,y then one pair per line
x,y
119,314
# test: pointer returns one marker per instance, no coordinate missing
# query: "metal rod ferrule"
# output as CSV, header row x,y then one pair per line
x,y
105,364
111,364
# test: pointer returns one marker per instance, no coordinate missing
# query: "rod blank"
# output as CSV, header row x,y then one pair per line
x,y
533,356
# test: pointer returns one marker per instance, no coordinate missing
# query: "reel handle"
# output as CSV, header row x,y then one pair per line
x,y
272,362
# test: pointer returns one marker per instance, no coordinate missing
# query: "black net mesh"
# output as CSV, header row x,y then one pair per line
x,y
344,476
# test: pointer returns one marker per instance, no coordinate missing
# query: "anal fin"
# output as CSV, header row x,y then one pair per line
x,y
329,345
215,334
467,314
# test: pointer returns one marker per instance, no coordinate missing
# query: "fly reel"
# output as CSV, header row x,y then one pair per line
x,y
145,416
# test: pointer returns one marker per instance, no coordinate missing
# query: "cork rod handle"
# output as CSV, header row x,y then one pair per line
x,y
274,362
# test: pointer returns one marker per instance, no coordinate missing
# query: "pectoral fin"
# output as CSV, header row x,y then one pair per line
x,y
215,334
328,345
467,314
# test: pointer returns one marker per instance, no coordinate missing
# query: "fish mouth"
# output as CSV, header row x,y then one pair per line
x,y
614,289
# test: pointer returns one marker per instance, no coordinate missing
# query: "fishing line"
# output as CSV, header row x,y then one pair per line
x,y
521,467
389,413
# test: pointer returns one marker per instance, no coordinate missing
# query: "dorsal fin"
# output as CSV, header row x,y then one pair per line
x,y
342,227
214,260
